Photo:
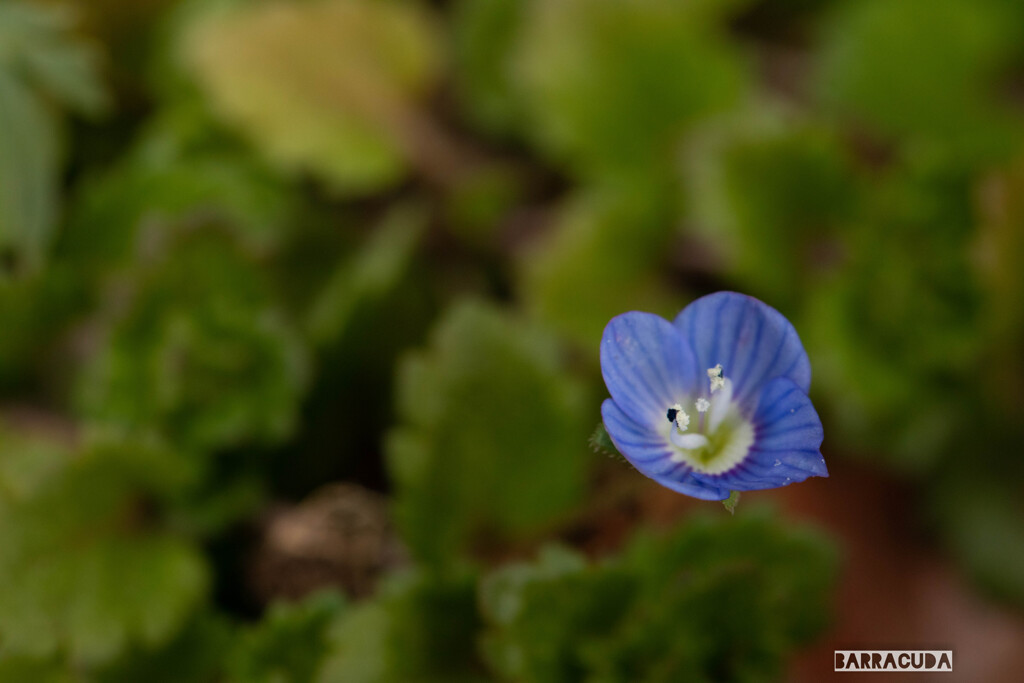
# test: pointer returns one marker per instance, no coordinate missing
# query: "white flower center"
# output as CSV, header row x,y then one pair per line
x,y
723,437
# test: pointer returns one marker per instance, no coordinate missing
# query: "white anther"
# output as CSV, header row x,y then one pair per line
x,y
678,417
716,377
702,405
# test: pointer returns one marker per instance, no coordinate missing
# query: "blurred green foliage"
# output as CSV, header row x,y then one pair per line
x,y
484,35
494,385
601,258
420,627
924,71
44,70
200,353
329,88
252,247
923,312
180,169
614,93
715,600
288,644
87,570
772,188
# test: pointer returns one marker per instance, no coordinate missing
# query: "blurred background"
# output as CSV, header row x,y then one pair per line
x,y
300,304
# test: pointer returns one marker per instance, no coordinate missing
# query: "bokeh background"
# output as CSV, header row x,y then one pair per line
x,y
300,306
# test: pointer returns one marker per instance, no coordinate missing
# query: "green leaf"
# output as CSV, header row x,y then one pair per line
x,y
720,599
724,599
358,647
895,331
88,572
180,170
28,172
921,70
541,613
196,654
41,63
288,644
612,86
201,353
491,437
600,260
326,87
39,42
773,192
421,627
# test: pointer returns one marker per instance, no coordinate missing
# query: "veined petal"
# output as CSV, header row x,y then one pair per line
x,y
787,425
787,442
647,365
685,483
752,341
649,451
645,447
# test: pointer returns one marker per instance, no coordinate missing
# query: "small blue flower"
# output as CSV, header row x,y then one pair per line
x,y
715,401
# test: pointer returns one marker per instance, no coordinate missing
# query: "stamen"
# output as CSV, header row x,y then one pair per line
x,y
678,416
716,377
722,437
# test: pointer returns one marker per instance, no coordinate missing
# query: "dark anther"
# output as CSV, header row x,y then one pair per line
x,y
671,414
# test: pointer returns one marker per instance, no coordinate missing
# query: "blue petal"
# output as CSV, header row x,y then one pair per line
x,y
649,451
787,442
686,484
753,342
647,365
646,448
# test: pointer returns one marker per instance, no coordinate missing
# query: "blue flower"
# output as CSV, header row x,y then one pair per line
x,y
715,401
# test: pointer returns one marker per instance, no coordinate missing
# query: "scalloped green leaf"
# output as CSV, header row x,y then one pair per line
x,y
200,352
288,644
723,599
326,87
87,573
491,437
